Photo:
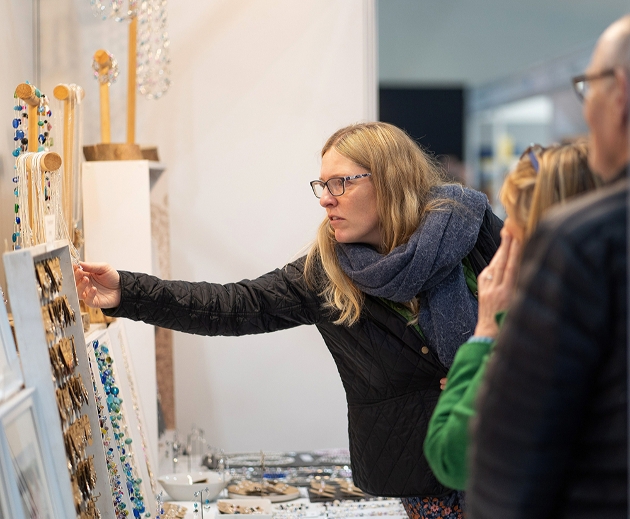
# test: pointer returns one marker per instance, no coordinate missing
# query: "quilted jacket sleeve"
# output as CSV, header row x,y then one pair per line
x,y
275,301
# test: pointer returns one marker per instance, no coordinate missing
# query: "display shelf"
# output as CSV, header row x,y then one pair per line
x,y
36,337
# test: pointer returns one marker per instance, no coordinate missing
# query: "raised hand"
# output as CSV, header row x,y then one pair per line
x,y
496,284
98,284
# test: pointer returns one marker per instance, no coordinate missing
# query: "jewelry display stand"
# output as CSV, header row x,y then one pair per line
x,y
118,407
33,333
117,227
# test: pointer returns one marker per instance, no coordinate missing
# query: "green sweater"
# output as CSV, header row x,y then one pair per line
x,y
446,443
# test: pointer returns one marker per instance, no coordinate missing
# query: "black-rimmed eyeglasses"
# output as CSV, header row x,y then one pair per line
x,y
336,185
580,83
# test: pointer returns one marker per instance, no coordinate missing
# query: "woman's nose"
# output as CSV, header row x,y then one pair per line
x,y
327,199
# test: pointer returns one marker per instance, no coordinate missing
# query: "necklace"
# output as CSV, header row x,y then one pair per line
x,y
120,432
115,11
153,56
20,127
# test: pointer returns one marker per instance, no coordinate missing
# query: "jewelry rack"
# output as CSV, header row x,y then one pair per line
x,y
123,433
54,361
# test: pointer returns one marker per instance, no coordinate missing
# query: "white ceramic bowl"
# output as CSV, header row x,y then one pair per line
x,y
182,486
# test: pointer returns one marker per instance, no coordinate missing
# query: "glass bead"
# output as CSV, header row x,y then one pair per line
x,y
16,123
17,207
17,220
40,123
16,152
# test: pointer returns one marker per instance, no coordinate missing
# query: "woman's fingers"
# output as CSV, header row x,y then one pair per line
x,y
498,262
512,265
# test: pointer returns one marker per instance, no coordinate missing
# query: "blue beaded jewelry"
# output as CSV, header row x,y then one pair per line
x,y
20,127
122,441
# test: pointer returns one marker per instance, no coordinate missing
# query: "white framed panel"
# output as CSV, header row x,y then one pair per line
x,y
11,379
38,370
28,463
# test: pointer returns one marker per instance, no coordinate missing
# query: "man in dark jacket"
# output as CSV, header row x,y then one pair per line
x,y
551,435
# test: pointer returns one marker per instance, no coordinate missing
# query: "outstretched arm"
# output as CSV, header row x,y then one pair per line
x,y
98,284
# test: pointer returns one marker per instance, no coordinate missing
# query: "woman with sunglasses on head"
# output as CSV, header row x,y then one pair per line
x,y
385,283
541,179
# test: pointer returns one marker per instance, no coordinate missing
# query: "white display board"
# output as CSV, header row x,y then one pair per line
x,y
35,338
107,351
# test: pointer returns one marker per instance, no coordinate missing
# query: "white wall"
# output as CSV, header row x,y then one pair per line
x,y
258,86
16,63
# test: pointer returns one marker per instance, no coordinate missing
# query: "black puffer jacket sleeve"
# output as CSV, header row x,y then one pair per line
x,y
550,438
275,301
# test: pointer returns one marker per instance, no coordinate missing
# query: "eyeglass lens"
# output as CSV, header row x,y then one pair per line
x,y
335,187
581,87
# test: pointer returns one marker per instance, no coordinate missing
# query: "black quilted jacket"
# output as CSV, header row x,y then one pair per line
x,y
552,434
391,379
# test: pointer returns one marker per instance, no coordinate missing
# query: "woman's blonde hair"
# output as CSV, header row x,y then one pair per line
x,y
563,173
403,176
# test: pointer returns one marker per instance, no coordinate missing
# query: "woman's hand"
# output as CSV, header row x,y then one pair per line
x,y
98,284
496,284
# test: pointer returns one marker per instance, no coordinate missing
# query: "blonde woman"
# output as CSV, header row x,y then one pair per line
x,y
541,179
384,283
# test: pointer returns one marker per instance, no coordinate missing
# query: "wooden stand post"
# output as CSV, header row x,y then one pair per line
x,y
102,58
107,150
63,93
28,93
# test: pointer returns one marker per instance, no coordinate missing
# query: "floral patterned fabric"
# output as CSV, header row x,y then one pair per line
x,y
450,506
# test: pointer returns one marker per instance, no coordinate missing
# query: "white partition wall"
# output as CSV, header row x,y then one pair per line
x,y
258,87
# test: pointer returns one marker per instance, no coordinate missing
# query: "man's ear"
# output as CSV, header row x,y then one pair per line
x,y
622,94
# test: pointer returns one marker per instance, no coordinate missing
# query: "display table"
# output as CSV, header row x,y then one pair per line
x,y
303,508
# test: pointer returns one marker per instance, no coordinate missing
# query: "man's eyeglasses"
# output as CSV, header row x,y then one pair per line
x,y
336,186
534,152
580,83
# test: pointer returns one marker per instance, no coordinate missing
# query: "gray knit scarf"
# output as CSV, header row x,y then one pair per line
x,y
429,266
